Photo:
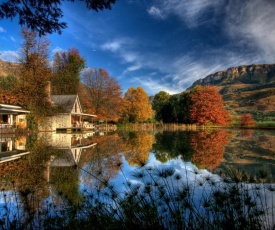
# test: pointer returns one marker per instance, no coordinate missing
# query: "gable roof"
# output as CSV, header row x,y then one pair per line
x,y
66,101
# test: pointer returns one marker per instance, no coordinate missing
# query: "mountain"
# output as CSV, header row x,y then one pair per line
x,y
246,89
252,74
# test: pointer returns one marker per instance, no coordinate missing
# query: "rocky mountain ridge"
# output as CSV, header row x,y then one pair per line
x,y
251,74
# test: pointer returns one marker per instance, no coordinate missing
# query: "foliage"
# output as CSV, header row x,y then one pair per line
x,y
102,95
66,72
34,74
184,108
207,106
8,83
159,101
138,108
170,110
43,16
246,120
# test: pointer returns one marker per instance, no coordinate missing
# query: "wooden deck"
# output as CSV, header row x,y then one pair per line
x,y
73,129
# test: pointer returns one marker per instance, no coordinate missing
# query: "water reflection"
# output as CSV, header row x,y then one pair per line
x,y
12,148
61,166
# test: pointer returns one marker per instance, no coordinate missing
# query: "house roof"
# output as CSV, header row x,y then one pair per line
x,y
66,101
12,109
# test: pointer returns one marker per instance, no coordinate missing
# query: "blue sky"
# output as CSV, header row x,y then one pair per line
x,y
161,44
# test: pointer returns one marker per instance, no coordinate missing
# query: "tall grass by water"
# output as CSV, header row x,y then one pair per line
x,y
154,198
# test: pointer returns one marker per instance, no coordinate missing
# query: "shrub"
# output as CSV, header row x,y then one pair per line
x,y
246,120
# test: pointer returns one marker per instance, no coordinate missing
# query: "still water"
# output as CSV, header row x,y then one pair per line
x,y
53,167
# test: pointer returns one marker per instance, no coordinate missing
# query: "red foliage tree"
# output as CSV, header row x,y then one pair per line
x,y
246,120
207,106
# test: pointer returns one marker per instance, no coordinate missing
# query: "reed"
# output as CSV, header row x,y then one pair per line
x,y
160,198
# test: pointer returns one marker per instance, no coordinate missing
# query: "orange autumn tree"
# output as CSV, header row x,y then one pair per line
x,y
138,108
101,94
207,106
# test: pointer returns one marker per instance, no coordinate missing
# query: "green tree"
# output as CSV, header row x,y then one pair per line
x,y
184,108
158,103
138,108
44,16
171,110
67,67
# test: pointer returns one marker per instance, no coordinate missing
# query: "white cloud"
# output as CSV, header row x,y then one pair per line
x,y
132,68
10,56
153,86
12,38
156,12
57,49
193,12
251,24
2,30
112,46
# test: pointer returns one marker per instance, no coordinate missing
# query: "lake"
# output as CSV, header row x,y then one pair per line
x,y
45,174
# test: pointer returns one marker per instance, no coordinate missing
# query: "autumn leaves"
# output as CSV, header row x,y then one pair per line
x,y
202,106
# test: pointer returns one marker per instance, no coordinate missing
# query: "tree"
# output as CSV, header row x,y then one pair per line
x,y
34,73
44,16
138,108
173,108
66,71
246,120
184,108
103,94
159,101
207,106
170,110
7,83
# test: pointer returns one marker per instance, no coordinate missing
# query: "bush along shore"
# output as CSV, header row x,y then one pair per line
x,y
153,198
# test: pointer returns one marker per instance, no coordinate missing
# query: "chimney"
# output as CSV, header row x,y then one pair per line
x,y
48,91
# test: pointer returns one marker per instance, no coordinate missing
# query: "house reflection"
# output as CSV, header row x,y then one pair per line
x,y
70,147
12,148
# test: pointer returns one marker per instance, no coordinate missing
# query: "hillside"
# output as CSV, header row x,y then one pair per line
x,y
8,68
246,89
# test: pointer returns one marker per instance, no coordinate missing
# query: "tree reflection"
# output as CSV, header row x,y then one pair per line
x,y
169,145
208,147
65,182
247,133
137,146
101,163
27,175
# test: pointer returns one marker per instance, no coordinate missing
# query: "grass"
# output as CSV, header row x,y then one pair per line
x,y
269,124
157,198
